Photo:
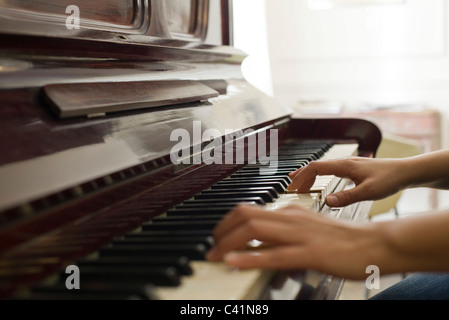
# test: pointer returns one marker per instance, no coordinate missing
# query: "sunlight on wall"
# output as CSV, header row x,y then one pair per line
x,y
250,35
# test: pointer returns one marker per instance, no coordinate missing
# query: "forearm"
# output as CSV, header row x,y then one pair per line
x,y
428,170
412,244
297,239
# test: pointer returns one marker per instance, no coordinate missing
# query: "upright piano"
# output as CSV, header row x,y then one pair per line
x,y
127,131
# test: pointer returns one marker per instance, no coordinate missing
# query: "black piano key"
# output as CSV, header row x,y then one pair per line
x,y
198,210
181,225
301,151
76,295
284,180
307,158
193,204
279,163
211,194
237,200
321,145
186,218
292,163
103,290
171,233
206,241
273,192
256,173
281,167
168,234
181,264
276,185
159,276
297,149
256,170
218,204
192,251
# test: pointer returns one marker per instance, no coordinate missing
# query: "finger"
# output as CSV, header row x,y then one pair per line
x,y
238,241
305,178
293,174
266,231
279,258
243,213
305,186
347,197
236,217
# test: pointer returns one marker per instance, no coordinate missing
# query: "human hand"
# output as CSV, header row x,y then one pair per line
x,y
293,239
373,178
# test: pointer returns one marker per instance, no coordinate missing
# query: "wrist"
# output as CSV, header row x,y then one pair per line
x,y
404,249
427,170
383,251
409,172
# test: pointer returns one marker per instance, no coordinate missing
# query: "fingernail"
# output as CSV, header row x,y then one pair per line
x,y
291,187
332,201
231,258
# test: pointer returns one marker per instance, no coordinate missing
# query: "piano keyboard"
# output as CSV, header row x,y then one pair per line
x,y
165,258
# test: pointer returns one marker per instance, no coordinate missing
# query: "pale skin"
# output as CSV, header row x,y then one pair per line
x,y
296,238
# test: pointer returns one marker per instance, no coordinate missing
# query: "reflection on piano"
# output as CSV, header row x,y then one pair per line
x,y
86,177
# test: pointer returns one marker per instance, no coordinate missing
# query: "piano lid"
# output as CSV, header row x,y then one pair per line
x,y
108,44
102,19
182,42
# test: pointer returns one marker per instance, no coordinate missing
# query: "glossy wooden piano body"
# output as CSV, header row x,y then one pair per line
x,y
69,186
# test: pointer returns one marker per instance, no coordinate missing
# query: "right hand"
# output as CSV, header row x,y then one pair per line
x,y
373,178
295,238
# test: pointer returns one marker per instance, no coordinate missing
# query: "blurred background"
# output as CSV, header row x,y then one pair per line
x,y
383,60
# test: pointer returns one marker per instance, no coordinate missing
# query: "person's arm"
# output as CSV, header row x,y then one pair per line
x,y
430,170
376,178
295,238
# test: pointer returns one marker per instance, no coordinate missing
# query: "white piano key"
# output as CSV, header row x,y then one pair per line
x,y
217,281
